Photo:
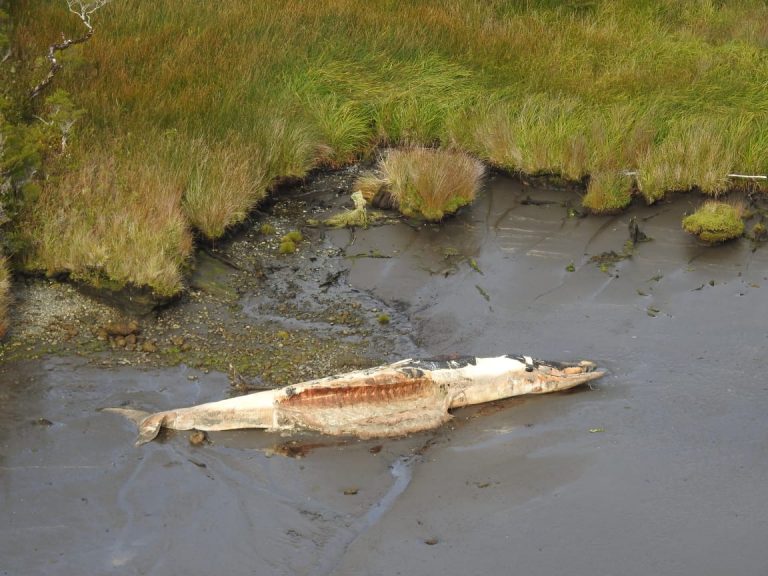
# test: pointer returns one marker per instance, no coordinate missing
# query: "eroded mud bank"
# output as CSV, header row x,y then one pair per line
x,y
661,469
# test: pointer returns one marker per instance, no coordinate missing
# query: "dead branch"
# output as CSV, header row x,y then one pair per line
x,y
82,10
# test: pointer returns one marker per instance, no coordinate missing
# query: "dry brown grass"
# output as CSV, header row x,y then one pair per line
x,y
99,222
426,182
224,184
5,295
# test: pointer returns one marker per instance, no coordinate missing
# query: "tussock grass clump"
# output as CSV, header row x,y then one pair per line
x,y
267,229
5,294
716,222
289,242
426,182
293,236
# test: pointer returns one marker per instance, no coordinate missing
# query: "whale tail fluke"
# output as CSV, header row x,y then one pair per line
x,y
149,424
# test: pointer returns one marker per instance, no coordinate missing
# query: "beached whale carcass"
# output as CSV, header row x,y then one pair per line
x,y
392,400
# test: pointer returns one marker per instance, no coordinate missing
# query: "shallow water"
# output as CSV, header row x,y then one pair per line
x,y
661,469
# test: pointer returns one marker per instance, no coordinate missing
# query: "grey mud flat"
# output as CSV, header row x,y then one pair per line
x,y
662,469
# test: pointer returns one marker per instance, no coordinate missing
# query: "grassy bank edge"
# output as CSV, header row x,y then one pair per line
x,y
189,158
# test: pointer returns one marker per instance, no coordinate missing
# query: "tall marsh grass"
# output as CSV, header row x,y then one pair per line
x,y
5,294
99,223
256,91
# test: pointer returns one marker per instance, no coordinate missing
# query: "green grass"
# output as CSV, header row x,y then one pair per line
x,y
715,222
200,107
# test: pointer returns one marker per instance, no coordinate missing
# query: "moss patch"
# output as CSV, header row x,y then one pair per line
x,y
715,222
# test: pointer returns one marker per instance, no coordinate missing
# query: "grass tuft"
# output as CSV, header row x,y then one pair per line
x,y
293,236
286,247
427,182
716,222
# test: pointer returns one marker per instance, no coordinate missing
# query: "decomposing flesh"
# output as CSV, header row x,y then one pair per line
x,y
391,400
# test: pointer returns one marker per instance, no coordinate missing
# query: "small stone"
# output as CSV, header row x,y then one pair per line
x,y
198,438
351,491
431,541
122,328
70,330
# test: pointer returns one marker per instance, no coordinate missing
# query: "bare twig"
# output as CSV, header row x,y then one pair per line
x,y
82,10
734,176
748,176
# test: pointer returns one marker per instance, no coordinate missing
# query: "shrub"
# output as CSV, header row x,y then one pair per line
x,y
287,247
715,222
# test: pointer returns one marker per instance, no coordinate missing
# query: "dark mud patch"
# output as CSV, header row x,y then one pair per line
x,y
674,481
250,311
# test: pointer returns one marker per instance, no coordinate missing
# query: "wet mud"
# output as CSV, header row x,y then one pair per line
x,y
661,468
